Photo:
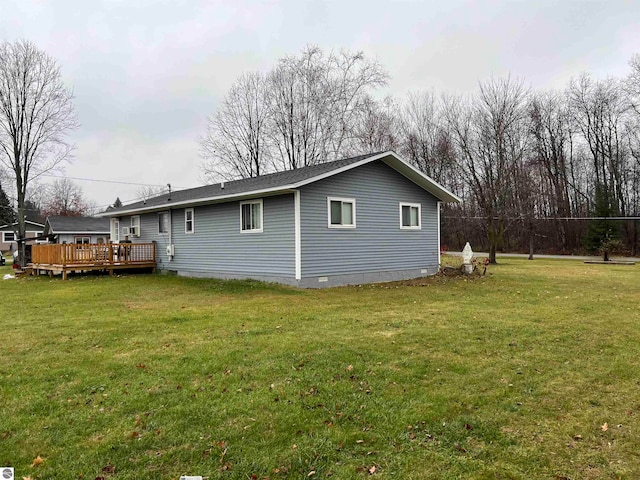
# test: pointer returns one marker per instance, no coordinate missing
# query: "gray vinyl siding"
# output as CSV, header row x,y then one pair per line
x,y
218,248
377,244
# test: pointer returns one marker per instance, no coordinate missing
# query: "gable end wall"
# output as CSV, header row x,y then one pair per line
x,y
377,249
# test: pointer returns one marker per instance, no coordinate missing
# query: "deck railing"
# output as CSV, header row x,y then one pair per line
x,y
94,254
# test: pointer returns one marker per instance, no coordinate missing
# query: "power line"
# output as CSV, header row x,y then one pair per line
x,y
106,181
544,218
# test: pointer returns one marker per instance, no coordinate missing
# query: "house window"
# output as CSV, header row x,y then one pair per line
x,y
135,225
82,240
189,221
251,216
163,222
115,230
410,214
341,212
8,237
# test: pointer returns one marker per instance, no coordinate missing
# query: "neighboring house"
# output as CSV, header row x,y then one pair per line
x,y
82,230
365,219
8,234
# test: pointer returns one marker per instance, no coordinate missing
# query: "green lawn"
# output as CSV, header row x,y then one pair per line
x,y
530,372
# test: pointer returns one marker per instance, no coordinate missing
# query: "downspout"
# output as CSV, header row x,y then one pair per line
x,y
297,235
171,233
439,247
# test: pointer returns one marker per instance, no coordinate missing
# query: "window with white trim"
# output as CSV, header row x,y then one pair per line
x,y
8,237
163,222
189,221
341,212
410,214
115,230
82,240
135,225
251,216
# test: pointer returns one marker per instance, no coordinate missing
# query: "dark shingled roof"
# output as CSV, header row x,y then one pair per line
x,y
58,224
263,182
274,181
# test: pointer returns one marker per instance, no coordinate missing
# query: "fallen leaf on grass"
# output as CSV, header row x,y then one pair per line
x,y
108,469
37,461
605,427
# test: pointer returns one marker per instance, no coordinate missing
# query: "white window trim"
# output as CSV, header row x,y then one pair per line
x,y
411,227
114,234
352,201
4,240
168,223
193,221
135,224
251,202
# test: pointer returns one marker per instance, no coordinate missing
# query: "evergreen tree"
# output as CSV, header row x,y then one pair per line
x,y
602,231
7,215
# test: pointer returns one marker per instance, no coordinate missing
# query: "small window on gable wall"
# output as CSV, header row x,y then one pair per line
x,y
341,212
189,220
410,214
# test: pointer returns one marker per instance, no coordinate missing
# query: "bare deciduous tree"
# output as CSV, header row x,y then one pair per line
x,y
65,198
490,134
36,113
235,145
375,127
148,191
426,142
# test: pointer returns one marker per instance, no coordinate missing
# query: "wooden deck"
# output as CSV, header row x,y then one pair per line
x,y
55,259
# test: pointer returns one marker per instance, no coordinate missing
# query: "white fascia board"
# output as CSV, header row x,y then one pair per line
x,y
364,161
424,181
75,232
401,166
27,222
200,201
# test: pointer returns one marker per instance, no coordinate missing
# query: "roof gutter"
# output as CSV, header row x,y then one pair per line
x,y
199,201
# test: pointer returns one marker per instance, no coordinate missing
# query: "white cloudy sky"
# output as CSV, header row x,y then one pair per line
x,y
147,73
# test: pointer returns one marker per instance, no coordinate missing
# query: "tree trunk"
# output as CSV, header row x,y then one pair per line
x,y
493,243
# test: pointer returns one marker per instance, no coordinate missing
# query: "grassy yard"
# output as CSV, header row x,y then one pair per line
x,y
530,372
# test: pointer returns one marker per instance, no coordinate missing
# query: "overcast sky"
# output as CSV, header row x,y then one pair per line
x,y
146,74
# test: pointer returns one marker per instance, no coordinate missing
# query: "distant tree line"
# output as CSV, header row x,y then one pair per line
x,y
535,169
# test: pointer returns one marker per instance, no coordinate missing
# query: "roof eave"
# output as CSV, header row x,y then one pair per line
x,y
393,160
390,158
200,201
